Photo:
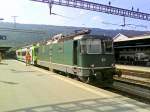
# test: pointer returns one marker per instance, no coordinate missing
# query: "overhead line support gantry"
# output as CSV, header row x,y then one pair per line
x,y
87,5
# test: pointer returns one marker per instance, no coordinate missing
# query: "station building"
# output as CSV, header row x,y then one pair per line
x,y
133,50
3,48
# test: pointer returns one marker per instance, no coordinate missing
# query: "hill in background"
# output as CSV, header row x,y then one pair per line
x,y
25,34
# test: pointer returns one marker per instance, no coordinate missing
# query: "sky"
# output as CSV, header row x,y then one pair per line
x,y
29,12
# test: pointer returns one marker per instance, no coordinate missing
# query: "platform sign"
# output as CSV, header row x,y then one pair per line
x,y
3,37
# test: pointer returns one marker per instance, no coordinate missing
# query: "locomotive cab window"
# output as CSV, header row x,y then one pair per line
x,y
108,46
91,46
83,48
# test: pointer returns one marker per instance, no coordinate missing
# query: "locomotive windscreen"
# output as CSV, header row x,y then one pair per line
x,y
91,46
96,46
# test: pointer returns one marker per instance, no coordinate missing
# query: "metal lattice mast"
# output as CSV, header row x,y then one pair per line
x,y
82,4
14,18
50,6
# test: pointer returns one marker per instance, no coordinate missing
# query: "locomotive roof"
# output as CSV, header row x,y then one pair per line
x,y
89,36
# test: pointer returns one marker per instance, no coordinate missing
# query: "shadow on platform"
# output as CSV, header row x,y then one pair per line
x,y
8,82
3,63
20,71
91,105
40,75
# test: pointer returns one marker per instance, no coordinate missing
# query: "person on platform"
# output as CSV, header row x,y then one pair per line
x,y
28,58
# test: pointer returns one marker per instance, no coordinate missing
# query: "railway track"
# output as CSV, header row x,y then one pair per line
x,y
140,89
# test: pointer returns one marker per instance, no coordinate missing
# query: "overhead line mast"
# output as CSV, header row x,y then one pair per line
x,y
82,4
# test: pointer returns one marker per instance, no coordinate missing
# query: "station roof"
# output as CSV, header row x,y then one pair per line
x,y
120,37
3,48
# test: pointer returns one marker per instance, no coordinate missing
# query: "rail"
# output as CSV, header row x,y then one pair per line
x,y
132,87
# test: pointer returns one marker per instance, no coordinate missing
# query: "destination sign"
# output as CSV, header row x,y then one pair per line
x,y
3,37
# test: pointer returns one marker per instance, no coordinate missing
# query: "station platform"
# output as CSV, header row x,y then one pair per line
x,y
133,68
31,89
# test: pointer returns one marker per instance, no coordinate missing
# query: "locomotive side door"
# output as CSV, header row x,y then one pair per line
x,y
75,52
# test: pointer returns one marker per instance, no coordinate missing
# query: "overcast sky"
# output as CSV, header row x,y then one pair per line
x,y
38,13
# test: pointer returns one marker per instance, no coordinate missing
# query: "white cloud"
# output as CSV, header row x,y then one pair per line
x,y
97,18
30,12
82,12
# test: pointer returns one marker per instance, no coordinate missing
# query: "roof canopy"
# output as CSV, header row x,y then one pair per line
x,y
2,49
121,37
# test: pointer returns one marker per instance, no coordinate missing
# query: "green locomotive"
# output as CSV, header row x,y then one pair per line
x,y
81,55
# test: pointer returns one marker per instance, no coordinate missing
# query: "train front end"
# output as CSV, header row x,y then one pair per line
x,y
97,59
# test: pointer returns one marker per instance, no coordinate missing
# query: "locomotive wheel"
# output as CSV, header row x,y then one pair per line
x,y
76,78
84,79
68,75
99,77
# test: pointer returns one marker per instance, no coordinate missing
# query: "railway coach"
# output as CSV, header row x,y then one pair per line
x,y
32,49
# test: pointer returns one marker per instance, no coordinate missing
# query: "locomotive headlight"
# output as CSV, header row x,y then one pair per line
x,y
113,65
92,66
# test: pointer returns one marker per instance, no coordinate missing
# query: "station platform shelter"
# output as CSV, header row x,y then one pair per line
x,y
132,50
3,50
